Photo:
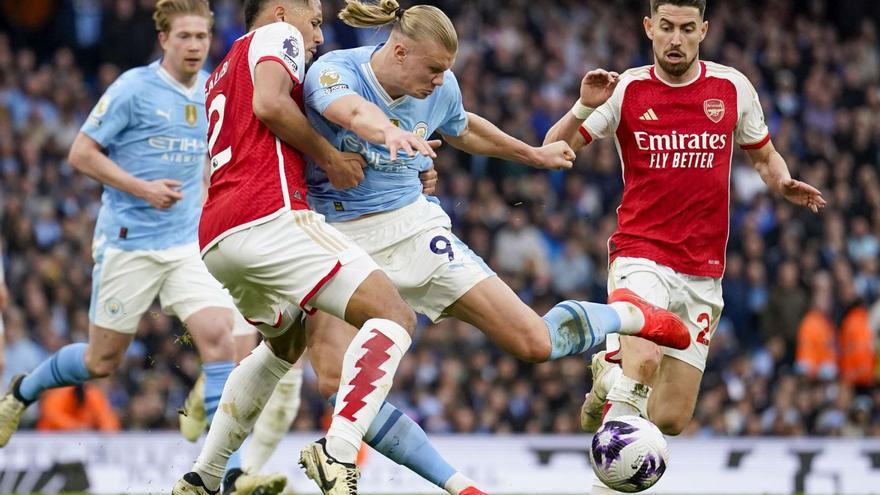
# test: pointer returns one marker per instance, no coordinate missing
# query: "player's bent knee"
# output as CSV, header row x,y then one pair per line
x,y
103,366
400,313
533,348
671,423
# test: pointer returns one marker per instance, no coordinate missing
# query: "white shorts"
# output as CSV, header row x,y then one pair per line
x,y
291,264
696,300
415,246
125,284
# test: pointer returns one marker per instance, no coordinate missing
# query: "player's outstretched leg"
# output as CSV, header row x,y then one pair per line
x,y
393,434
576,326
275,420
248,388
71,365
569,328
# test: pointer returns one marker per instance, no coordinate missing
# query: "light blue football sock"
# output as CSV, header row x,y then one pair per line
x,y
396,436
65,367
215,378
576,326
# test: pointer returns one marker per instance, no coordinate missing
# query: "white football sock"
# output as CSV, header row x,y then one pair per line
x,y
274,421
247,389
367,373
457,483
627,396
631,318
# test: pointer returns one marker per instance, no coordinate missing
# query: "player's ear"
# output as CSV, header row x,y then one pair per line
x,y
704,28
648,27
163,38
280,14
400,52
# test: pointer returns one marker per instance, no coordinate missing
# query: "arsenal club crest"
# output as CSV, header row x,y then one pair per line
x,y
714,109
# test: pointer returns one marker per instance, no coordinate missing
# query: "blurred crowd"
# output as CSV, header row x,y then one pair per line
x,y
795,352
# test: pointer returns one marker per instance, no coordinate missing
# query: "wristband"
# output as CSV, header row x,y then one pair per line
x,y
581,111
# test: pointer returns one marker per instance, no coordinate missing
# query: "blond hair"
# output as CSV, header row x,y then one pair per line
x,y
166,10
419,22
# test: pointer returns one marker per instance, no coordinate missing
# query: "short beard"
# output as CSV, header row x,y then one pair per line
x,y
675,70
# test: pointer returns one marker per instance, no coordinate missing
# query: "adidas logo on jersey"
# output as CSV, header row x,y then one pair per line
x,y
649,115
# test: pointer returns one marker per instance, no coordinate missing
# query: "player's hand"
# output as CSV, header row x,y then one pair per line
x,y
161,193
346,170
597,86
397,139
554,156
429,180
803,194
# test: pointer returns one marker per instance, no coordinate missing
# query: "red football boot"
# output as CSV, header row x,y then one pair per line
x,y
661,327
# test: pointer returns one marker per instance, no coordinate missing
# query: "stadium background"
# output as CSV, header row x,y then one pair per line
x,y
795,353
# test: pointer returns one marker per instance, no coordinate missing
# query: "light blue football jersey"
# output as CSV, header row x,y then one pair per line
x,y
387,184
154,128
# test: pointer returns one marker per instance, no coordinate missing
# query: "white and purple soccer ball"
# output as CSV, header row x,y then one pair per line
x,y
629,454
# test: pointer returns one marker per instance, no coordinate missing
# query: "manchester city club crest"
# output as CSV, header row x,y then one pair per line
x,y
714,109
114,307
191,114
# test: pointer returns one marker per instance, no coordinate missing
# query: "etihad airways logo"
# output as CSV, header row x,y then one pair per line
x,y
674,141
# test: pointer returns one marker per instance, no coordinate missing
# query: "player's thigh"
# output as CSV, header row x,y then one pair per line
x,y
328,339
498,312
698,302
294,263
650,281
124,285
433,270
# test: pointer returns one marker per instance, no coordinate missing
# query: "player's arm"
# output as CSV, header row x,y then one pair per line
x,y
369,122
275,107
597,86
481,137
86,155
774,172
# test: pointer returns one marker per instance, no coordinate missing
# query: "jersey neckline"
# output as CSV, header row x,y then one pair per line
x,y
700,74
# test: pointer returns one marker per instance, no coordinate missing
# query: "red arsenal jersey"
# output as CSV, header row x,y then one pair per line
x,y
675,143
254,175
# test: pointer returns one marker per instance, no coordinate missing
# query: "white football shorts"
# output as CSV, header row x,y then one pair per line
x,y
696,300
125,284
291,264
415,246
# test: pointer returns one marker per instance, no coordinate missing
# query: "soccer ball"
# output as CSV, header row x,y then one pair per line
x,y
629,454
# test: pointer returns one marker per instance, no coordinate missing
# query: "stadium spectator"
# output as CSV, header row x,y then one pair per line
x,y
81,407
816,66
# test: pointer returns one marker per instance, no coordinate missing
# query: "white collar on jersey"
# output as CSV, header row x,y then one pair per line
x,y
374,82
175,84
678,85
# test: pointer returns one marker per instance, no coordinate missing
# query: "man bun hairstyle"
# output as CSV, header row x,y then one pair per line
x,y
419,22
